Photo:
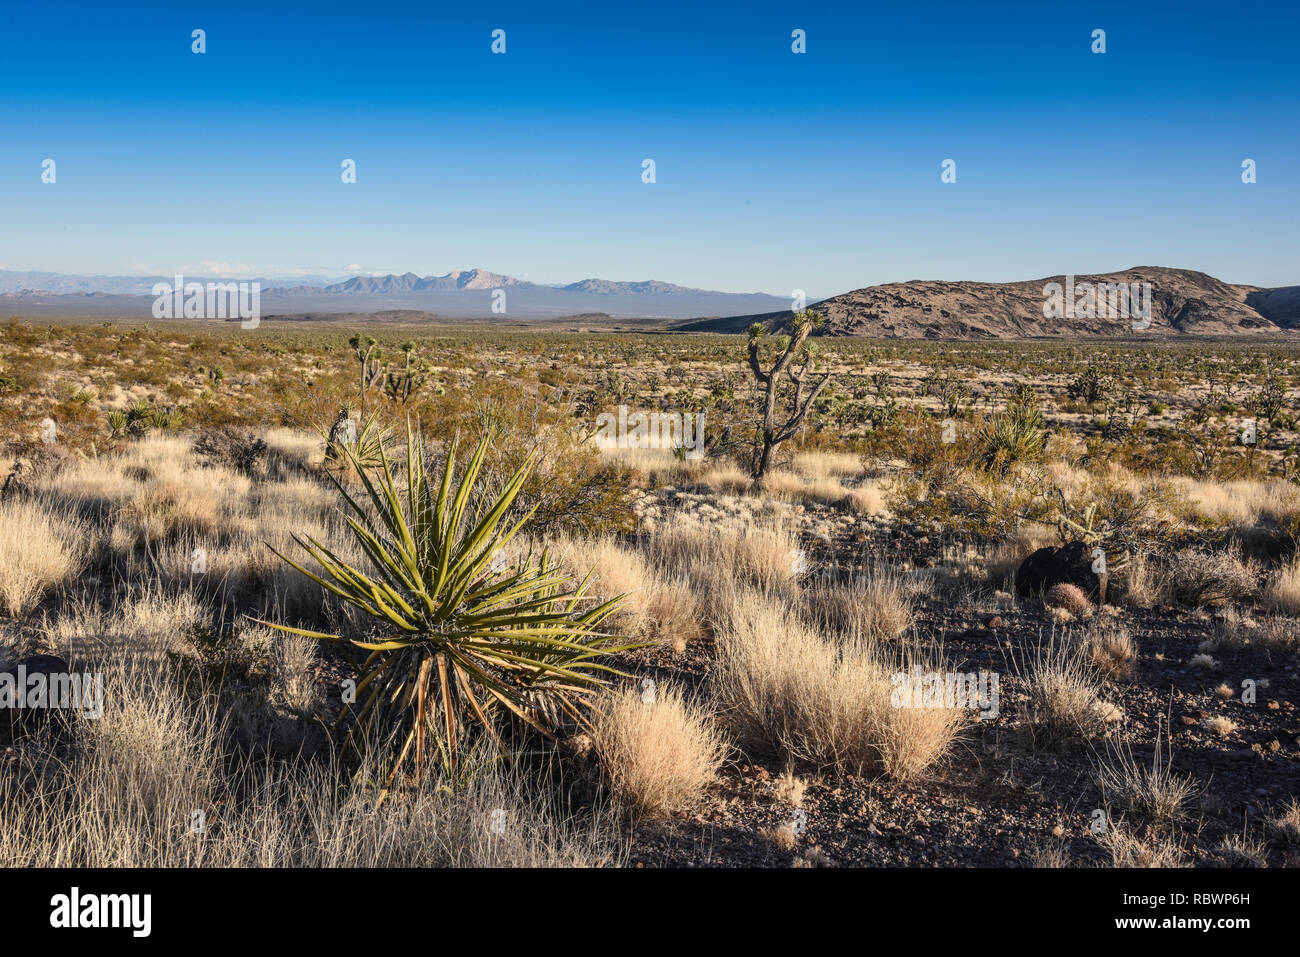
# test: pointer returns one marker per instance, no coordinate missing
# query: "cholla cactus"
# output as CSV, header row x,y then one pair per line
x,y
1079,524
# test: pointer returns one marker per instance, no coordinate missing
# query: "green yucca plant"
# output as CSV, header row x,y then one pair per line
x,y
466,632
161,419
1015,435
117,423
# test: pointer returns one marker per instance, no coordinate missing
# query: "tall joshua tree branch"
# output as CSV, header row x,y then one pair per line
x,y
772,433
368,354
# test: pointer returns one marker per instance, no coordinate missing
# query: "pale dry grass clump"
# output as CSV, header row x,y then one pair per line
x,y
146,624
163,511
823,703
876,605
821,465
154,783
783,836
1129,849
293,659
1220,725
654,607
89,488
1240,503
298,449
657,467
155,740
1048,854
869,498
727,479
1155,792
790,788
1274,634
1283,590
1064,696
1145,583
1111,648
1286,824
658,753
155,491
719,558
824,486
39,550
296,814
1240,850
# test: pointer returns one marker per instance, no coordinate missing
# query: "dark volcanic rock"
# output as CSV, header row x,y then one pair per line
x,y
1070,564
16,722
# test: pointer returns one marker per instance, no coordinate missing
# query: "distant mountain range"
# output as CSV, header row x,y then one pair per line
x,y
46,283
459,294
1182,301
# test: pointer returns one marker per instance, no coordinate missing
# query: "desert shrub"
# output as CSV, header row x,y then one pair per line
x,y
976,504
570,489
1090,386
658,751
1199,577
236,448
921,440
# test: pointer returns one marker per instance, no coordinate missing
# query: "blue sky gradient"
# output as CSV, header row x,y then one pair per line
x,y
775,171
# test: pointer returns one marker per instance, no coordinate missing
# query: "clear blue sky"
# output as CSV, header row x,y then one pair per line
x,y
775,170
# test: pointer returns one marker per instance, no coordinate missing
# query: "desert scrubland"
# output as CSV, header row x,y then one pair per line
x,y
606,654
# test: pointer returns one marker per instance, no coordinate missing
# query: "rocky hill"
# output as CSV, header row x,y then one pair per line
x,y
1182,301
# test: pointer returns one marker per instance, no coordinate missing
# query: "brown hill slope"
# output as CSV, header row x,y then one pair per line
x,y
1183,301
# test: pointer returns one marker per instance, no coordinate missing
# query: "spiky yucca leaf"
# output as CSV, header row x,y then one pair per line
x,y
465,633
365,445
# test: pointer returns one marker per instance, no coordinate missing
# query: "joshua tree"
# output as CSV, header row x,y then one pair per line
x,y
368,354
400,385
771,433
